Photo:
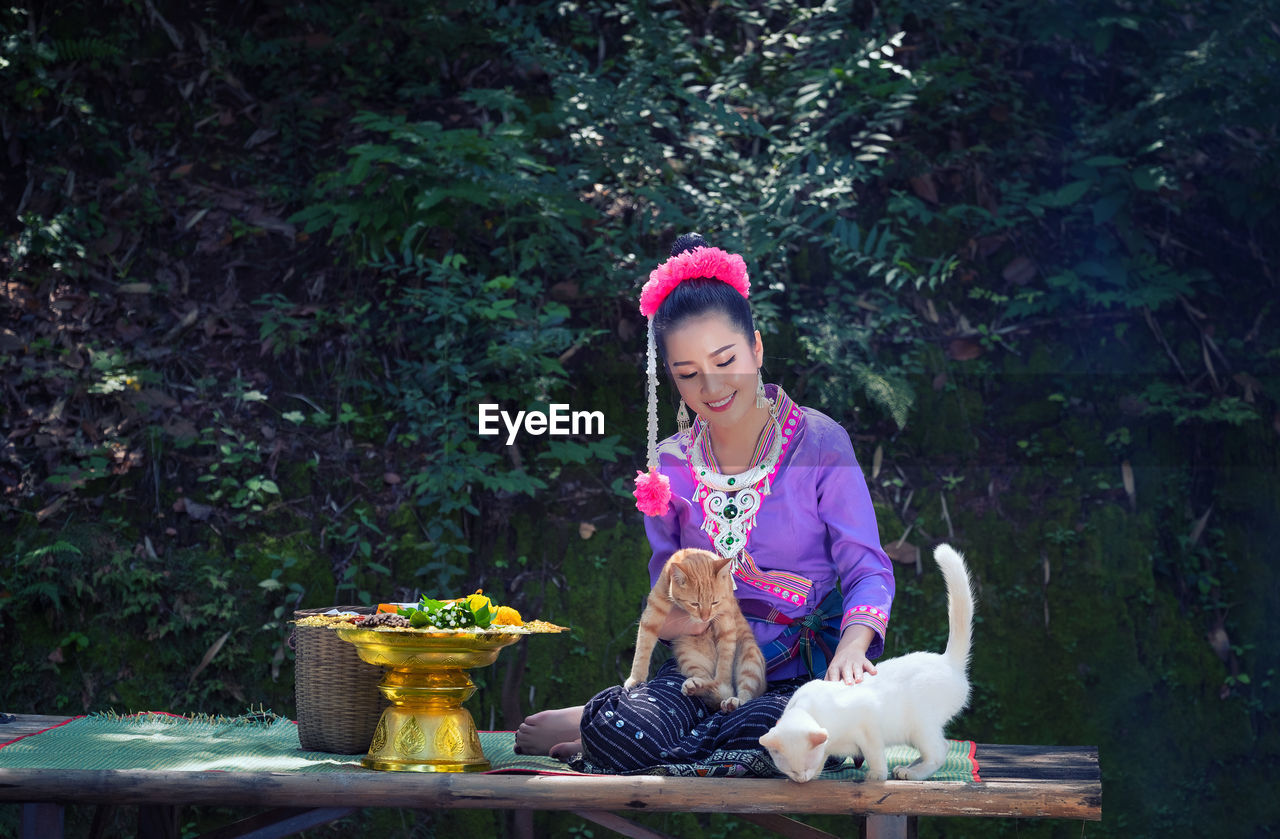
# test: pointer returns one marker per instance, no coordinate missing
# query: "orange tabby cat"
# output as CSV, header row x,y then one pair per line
x,y
723,665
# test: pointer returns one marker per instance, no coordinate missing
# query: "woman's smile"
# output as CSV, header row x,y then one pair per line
x,y
722,404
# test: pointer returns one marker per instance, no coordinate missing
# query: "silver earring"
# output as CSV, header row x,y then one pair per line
x,y
762,400
682,418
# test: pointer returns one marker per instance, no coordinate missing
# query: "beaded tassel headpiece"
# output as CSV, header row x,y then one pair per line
x,y
653,489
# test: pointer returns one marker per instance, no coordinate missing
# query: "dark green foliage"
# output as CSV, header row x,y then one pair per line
x,y
90,623
265,261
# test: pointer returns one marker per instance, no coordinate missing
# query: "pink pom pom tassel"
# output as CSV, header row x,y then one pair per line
x,y
653,492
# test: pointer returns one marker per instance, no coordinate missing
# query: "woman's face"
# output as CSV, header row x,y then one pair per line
x,y
714,367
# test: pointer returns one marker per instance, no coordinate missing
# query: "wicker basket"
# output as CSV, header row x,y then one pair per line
x,y
337,694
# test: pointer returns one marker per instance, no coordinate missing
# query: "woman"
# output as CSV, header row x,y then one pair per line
x,y
756,478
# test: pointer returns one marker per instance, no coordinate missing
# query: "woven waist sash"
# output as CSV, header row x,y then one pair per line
x,y
812,637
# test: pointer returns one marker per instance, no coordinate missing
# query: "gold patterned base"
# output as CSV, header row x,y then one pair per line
x,y
426,729
435,738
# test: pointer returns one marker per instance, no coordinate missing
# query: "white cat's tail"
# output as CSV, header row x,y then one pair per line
x,y
959,605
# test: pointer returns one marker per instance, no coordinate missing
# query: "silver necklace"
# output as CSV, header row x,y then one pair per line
x,y
732,501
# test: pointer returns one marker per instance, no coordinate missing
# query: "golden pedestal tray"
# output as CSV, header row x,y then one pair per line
x,y
426,729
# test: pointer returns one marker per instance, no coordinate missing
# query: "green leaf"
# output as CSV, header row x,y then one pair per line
x,y
1148,178
1106,207
1067,195
807,94
895,396
427,604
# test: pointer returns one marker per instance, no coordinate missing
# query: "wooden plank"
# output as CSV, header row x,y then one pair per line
x,y
618,824
366,788
1018,781
1032,763
25,724
785,827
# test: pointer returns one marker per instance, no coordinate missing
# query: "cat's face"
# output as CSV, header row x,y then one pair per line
x,y
799,751
700,583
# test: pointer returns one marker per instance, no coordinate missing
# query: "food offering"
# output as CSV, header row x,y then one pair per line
x,y
474,613
427,648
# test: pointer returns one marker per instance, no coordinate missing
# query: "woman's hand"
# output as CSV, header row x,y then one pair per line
x,y
849,662
679,623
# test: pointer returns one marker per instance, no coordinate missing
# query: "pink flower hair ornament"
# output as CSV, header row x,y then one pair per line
x,y
653,489
704,262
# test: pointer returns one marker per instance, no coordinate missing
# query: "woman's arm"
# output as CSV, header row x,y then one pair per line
x,y
866,574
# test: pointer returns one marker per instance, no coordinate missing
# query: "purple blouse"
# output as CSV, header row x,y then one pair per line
x,y
814,531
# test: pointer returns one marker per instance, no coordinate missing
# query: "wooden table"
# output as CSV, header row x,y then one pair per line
x,y
1017,781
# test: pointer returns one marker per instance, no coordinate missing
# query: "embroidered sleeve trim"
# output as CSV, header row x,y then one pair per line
x,y
869,616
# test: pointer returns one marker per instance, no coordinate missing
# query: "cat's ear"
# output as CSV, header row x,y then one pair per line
x,y
677,571
817,738
720,564
770,739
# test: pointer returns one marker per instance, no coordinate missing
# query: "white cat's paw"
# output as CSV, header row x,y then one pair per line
x,y
730,704
914,772
631,682
877,774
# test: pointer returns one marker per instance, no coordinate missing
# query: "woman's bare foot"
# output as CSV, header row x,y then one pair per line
x,y
553,732
565,752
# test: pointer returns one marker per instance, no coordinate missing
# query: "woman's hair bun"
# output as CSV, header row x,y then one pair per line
x,y
687,242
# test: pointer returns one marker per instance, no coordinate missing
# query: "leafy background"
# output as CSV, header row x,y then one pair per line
x,y
267,258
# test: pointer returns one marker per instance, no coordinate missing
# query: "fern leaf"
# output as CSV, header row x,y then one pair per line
x,y
85,49
895,396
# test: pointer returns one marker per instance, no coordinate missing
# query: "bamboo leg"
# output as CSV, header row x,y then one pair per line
x,y
42,821
891,827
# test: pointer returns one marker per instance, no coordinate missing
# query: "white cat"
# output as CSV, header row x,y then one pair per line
x,y
909,700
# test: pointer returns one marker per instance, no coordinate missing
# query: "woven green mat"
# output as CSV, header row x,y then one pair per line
x,y
166,742
960,765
